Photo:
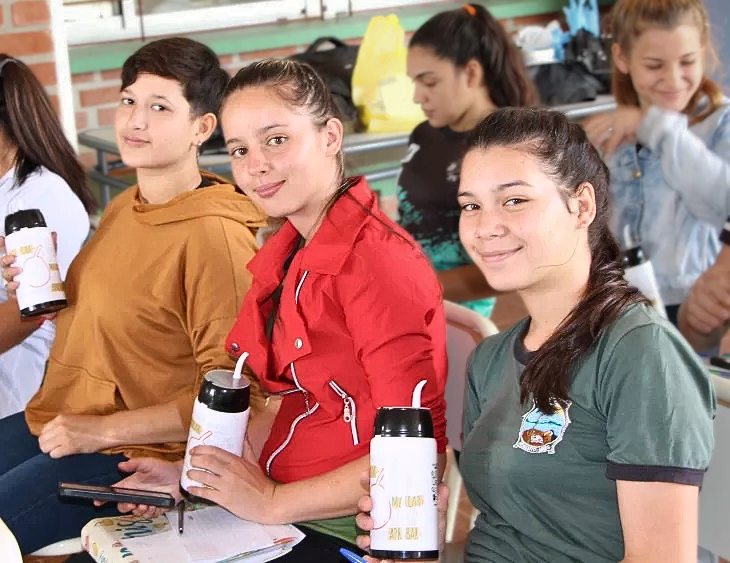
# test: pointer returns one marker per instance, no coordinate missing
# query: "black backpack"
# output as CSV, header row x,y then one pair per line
x,y
585,73
335,67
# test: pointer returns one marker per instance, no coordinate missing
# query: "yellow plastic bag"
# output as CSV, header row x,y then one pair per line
x,y
381,90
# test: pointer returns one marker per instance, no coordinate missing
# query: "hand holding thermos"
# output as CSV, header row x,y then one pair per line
x,y
220,418
406,505
30,265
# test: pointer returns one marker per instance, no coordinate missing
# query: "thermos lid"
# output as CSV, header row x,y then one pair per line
x,y
633,257
404,422
24,219
222,392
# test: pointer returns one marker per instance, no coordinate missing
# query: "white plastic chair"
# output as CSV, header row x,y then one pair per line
x,y
10,551
8,546
464,330
714,505
63,547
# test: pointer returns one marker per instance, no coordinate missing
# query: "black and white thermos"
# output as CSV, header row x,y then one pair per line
x,y
220,417
639,272
404,482
40,290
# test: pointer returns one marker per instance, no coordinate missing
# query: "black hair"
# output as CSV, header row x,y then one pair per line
x,y
471,32
192,64
29,122
566,155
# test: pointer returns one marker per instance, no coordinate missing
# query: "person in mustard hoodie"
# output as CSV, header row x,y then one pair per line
x,y
152,297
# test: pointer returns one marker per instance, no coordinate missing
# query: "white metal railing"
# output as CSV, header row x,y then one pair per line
x,y
102,140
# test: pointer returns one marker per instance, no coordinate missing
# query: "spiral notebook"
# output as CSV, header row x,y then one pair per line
x,y
212,535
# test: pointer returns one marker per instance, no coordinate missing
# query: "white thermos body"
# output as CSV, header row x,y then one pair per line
x,y
638,272
403,485
220,418
40,290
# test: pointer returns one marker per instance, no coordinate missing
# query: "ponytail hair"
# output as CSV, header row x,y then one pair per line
x,y
565,154
471,32
630,18
29,123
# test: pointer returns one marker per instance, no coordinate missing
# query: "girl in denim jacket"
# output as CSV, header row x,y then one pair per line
x,y
667,145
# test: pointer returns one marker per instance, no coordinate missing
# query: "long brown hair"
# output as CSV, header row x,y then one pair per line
x,y
298,85
632,17
28,121
566,155
471,32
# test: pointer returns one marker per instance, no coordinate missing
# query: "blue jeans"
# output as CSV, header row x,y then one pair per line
x,y
29,502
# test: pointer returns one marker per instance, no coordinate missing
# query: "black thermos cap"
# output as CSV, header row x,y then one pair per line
x,y
224,399
633,257
404,422
24,219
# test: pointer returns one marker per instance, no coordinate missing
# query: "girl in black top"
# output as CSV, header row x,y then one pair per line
x,y
463,65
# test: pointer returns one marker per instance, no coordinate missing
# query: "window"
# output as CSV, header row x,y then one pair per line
x,y
93,21
347,7
360,5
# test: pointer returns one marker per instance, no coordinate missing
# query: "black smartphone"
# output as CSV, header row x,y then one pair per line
x,y
116,494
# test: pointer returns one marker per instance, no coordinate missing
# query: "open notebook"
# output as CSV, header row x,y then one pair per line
x,y
212,535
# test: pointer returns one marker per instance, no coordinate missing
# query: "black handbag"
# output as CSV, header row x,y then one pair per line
x,y
335,66
585,73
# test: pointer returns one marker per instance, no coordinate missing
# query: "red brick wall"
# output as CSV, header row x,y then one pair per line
x,y
25,33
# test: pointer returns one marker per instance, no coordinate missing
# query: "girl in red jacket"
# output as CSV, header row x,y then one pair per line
x,y
344,315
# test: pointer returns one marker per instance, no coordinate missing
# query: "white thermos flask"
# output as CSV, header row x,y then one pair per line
x,y
639,273
404,483
40,290
220,418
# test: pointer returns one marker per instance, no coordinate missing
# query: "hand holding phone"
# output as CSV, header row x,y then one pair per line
x,y
116,494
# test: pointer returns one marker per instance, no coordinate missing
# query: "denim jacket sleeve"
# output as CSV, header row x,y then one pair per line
x,y
695,162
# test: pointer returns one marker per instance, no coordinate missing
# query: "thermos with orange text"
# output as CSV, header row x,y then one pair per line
x,y
220,418
40,290
403,484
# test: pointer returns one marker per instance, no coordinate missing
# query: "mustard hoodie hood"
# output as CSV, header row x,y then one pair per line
x,y
220,198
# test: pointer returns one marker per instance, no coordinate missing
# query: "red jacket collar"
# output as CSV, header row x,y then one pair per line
x,y
331,244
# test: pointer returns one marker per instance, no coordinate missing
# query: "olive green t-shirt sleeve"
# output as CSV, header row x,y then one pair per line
x,y
485,364
471,394
659,404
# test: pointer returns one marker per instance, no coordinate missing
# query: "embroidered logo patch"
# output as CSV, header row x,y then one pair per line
x,y
539,432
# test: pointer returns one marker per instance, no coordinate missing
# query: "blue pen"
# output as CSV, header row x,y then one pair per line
x,y
351,557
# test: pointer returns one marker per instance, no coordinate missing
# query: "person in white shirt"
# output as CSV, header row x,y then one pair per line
x,y
38,170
